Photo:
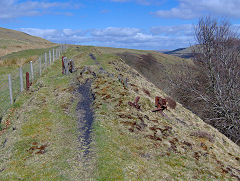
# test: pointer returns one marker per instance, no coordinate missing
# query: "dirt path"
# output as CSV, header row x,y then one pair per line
x,y
86,118
85,121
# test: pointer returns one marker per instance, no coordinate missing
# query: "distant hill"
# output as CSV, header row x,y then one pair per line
x,y
180,52
14,41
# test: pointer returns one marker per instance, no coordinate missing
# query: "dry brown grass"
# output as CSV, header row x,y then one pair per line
x,y
16,61
138,144
14,41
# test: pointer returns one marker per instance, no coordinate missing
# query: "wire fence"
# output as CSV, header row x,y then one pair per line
x,y
13,84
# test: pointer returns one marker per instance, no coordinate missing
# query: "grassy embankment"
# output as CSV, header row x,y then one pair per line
x,y
9,64
41,141
142,145
130,144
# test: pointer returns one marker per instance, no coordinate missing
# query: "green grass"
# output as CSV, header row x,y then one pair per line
x,y
21,57
44,121
9,42
46,115
26,53
12,67
6,70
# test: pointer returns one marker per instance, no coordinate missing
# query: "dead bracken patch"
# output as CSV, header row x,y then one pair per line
x,y
134,125
154,120
197,155
106,97
153,137
146,92
204,146
135,103
187,144
126,116
37,149
203,134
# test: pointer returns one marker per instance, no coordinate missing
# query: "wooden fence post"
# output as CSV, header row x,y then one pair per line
x,y
10,88
31,68
21,79
72,66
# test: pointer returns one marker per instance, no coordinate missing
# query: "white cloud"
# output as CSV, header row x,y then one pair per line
x,y
15,8
39,32
189,9
163,37
112,31
177,30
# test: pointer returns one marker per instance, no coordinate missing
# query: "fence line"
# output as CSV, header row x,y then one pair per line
x,y
12,85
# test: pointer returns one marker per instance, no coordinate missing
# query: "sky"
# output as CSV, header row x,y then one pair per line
x,y
137,24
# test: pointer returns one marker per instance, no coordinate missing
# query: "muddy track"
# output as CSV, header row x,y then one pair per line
x,y
85,118
85,115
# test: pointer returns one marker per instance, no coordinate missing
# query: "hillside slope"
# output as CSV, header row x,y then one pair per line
x,y
13,41
180,52
128,143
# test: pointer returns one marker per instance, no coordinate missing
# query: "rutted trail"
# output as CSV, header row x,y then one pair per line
x,y
85,115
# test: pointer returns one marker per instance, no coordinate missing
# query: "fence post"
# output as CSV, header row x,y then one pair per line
x,y
53,57
40,66
10,88
63,70
31,68
49,56
21,79
27,81
67,66
45,61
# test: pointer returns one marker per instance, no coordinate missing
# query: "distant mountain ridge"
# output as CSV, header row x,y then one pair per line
x,y
180,52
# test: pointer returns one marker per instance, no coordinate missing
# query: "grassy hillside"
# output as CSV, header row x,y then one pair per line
x,y
17,49
181,52
41,139
158,68
14,41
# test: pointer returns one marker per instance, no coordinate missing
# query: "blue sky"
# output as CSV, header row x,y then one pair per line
x,y
139,24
